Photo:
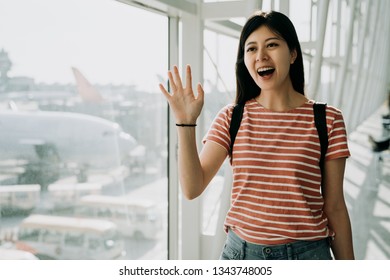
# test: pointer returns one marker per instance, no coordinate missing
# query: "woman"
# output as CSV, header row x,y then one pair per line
x,y
277,209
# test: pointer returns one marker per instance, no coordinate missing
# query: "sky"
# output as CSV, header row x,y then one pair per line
x,y
108,41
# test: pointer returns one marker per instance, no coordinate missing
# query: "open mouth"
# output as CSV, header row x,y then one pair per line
x,y
265,71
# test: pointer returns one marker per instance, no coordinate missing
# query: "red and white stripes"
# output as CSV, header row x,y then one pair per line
x,y
276,176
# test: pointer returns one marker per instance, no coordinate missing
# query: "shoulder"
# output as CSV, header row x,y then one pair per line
x,y
226,111
223,117
229,108
334,114
331,111
334,118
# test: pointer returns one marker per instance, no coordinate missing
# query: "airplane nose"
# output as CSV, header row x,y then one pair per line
x,y
126,142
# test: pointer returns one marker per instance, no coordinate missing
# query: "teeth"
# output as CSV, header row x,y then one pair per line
x,y
262,69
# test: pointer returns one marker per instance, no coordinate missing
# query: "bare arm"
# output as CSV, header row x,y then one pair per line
x,y
336,209
195,172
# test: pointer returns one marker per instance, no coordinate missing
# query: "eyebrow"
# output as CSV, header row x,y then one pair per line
x,y
266,40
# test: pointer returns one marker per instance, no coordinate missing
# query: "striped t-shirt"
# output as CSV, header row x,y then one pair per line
x,y
276,195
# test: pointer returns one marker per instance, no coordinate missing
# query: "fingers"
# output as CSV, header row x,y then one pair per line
x,y
171,81
164,91
176,85
177,78
188,77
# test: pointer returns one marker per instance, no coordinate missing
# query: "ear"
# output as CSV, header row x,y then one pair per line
x,y
293,56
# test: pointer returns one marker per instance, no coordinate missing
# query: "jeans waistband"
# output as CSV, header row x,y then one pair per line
x,y
296,247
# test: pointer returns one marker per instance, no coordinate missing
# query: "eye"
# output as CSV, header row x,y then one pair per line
x,y
250,49
272,45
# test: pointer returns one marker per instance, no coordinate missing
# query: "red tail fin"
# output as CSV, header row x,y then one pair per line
x,y
87,92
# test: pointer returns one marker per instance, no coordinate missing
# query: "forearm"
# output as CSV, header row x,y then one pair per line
x,y
342,245
186,108
336,210
190,169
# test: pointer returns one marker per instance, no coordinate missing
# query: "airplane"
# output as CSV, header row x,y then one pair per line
x,y
45,143
87,91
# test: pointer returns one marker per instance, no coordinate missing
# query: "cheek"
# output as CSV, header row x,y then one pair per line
x,y
248,64
286,67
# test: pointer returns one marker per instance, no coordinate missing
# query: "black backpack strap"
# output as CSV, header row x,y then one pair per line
x,y
237,114
322,129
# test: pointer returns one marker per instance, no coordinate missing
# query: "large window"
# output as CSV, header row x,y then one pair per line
x,y
219,85
82,121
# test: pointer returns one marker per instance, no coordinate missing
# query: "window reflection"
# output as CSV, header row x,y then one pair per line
x,y
81,116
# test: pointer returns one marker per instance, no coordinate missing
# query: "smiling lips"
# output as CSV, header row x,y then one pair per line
x,y
265,71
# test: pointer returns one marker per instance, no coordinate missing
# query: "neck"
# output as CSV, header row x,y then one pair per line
x,y
281,101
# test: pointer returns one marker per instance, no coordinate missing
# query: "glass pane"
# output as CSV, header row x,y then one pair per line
x,y
219,84
83,129
300,15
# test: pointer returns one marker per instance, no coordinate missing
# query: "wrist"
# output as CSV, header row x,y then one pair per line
x,y
186,124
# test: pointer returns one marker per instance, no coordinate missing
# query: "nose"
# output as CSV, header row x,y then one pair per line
x,y
261,55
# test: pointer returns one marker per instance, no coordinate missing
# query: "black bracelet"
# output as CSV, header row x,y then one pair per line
x,y
183,124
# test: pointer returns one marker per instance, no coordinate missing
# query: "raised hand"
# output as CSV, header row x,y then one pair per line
x,y
185,105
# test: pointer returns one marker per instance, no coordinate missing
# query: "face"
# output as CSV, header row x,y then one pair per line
x,y
268,59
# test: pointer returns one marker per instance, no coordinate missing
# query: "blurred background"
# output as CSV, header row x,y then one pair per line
x,y
88,146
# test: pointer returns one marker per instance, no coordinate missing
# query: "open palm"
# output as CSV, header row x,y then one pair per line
x,y
185,105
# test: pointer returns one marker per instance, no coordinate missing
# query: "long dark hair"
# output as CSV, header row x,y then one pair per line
x,y
281,25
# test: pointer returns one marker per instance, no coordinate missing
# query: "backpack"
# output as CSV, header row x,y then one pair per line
x,y
319,119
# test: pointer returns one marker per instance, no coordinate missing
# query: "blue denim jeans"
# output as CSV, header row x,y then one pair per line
x,y
237,249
